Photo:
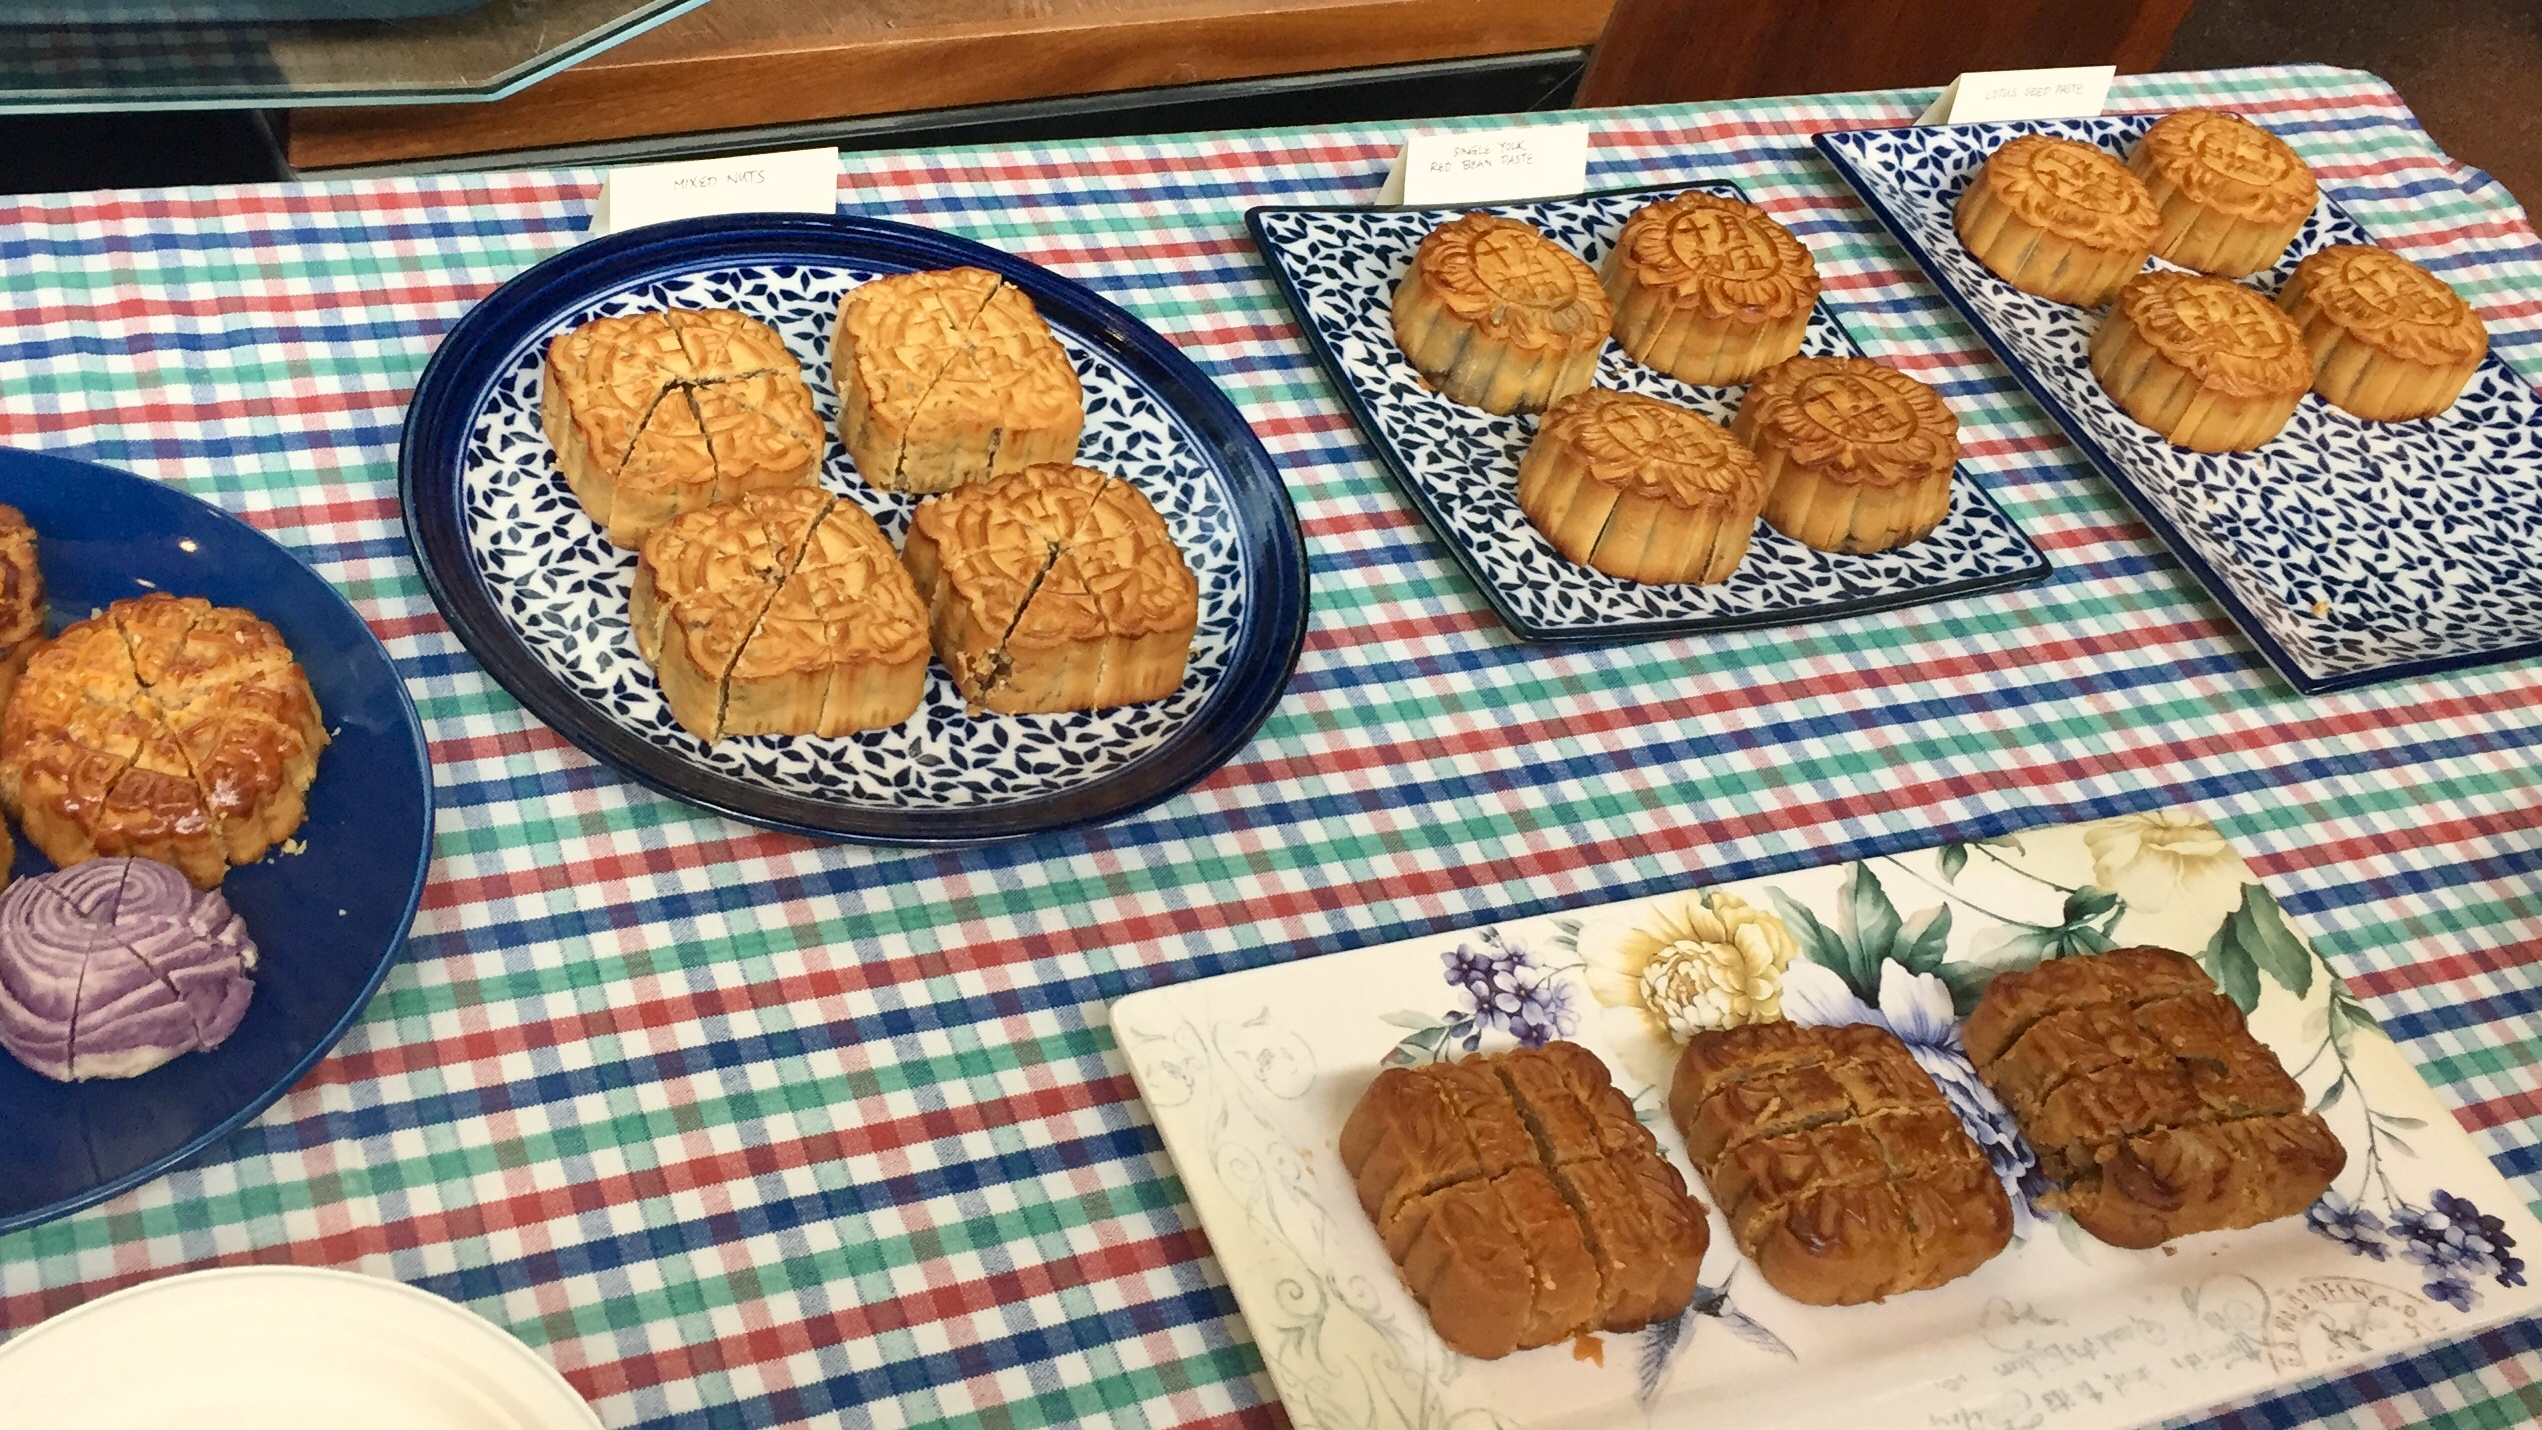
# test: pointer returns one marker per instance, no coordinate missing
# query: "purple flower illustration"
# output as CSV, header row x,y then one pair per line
x,y
2353,1227
2449,1237
1917,1008
1502,987
2454,1291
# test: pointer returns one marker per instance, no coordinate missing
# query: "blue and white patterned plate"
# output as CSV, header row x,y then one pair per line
x,y
540,596
2349,551
1339,268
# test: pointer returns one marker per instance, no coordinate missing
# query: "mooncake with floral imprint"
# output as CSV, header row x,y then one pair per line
x,y
2390,341
112,967
950,376
1709,289
1495,315
842,645
1640,489
2231,194
702,583
2059,218
22,607
1857,455
2208,363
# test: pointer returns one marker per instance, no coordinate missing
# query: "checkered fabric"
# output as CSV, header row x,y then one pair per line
x,y
742,1130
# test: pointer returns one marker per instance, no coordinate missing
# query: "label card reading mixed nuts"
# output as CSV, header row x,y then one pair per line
x,y
1491,166
794,181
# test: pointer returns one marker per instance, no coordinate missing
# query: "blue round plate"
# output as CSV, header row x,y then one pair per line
x,y
327,922
534,591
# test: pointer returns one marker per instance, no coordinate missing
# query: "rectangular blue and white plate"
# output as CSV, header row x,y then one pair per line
x,y
2350,551
1250,1075
1339,268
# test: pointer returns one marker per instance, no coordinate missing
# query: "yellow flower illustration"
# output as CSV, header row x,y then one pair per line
x,y
1685,964
2178,876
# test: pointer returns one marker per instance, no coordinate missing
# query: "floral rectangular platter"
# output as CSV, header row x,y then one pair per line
x,y
1250,1075
1459,464
2349,551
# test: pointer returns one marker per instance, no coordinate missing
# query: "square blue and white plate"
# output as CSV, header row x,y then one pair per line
x,y
1339,268
2349,551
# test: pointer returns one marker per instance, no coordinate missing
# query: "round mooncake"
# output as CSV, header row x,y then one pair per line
x,y
2231,194
1640,488
1708,289
2390,341
1495,315
2207,363
1857,456
2059,218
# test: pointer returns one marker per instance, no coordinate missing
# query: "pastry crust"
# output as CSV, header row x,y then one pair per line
x,y
950,377
2149,1102
2059,218
702,582
1857,456
2231,194
655,414
1522,1200
1640,489
1056,588
2390,341
2209,364
22,607
1842,1170
1495,315
1708,289
164,728
841,647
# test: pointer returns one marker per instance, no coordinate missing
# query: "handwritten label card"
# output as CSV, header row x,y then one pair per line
x,y
1490,166
796,181
2075,93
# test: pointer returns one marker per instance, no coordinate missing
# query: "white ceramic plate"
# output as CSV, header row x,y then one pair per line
x,y
1250,1075
280,1348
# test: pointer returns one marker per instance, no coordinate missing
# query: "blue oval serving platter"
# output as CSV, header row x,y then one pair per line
x,y
540,597
328,922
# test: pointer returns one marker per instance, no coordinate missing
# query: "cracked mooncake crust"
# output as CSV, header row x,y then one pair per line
x,y
163,728
1495,315
22,607
2390,341
2059,218
949,377
1708,289
1056,588
2231,194
2150,1104
1521,1200
2209,364
659,413
1842,1170
1857,455
1641,489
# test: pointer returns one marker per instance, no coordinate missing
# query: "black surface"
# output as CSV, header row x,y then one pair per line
x,y
59,153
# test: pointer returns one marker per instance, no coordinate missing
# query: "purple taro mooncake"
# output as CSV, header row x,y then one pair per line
x,y
113,966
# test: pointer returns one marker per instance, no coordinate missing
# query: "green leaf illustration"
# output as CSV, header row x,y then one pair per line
x,y
1954,859
2027,947
2088,903
2230,965
1566,933
1924,939
2082,938
1871,922
2331,1098
2273,946
1820,945
1406,1018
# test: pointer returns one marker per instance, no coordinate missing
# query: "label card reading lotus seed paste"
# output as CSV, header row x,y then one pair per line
x,y
1490,166
2077,92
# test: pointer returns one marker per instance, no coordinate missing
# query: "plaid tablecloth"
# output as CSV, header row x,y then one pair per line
x,y
742,1130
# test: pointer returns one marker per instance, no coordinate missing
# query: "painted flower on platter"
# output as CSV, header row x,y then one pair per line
x,y
1663,971
2177,875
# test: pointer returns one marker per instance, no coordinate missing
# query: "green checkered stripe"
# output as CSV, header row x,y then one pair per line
x,y
742,1130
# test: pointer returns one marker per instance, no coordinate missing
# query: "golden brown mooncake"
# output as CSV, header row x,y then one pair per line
x,y
1495,315
702,582
2059,218
1640,489
1857,456
948,377
2209,364
1708,289
22,606
1521,1200
2390,341
842,645
1842,1170
658,413
164,728
2231,194
1053,588
2152,1107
